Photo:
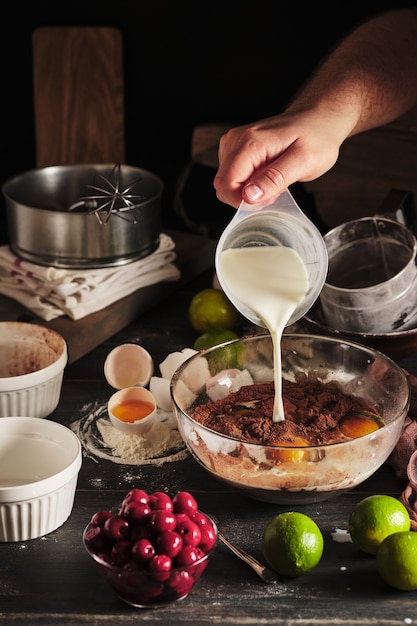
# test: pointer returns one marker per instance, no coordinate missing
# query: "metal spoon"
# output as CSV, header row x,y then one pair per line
x,y
265,573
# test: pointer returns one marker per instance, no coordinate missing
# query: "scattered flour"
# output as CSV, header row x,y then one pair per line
x,y
162,443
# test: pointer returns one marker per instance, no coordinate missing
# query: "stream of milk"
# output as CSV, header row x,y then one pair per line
x,y
272,281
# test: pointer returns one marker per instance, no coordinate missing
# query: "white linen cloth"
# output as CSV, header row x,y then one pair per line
x,y
51,292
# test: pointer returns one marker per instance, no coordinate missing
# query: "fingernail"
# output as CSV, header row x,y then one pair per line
x,y
253,192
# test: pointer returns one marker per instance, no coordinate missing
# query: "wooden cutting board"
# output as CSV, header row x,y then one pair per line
x,y
195,254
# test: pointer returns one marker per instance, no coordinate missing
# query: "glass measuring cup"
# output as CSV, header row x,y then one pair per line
x,y
281,223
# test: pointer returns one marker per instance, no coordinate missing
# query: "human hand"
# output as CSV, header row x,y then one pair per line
x,y
259,161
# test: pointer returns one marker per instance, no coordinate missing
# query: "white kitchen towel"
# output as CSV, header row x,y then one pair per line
x,y
51,292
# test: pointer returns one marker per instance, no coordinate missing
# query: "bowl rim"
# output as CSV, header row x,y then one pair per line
x,y
345,335
334,340
59,433
32,379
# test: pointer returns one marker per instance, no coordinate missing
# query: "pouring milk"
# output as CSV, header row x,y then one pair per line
x,y
272,281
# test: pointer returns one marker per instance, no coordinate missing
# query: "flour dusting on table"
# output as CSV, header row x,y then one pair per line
x,y
99,438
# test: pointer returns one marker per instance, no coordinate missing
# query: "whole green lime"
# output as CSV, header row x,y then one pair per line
x,y
396,560
214,337
210,308
374,518
222,357
292,543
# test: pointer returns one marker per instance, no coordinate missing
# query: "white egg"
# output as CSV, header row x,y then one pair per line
x,y
128,365
160,388
173,361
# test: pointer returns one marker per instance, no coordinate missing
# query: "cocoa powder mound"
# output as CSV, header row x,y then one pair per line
x,y
312,409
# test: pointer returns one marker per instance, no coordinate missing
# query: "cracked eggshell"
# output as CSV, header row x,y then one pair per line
x,y
128,365
227,381
196,375
184,395
160,388
131,396
173,361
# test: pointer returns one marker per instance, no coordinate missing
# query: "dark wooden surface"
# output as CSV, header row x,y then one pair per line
x,y
51,580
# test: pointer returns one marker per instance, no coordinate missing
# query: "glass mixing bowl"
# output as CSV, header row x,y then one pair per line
x,y
302,474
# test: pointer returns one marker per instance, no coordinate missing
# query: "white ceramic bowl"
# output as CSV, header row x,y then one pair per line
x,y
32,364
39,464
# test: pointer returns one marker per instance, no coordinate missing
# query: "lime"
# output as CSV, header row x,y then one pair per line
x,y
229,356
374,518
213,337
210,309
292,543
396,560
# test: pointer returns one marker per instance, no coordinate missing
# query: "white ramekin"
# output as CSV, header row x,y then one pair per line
x,y
39,465
32,363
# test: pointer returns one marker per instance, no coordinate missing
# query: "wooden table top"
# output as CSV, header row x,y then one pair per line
x,y
51,580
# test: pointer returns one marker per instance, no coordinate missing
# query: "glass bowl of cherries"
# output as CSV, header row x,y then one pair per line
x,y
154,548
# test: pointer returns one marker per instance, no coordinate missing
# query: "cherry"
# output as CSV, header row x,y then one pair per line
x,y
136,512
136,495
160,566
182,581
184,502
189,531
116,527
208,538
120,553
187,555
96,539
160,521
200,519
169,543
143,550
160,500
100,517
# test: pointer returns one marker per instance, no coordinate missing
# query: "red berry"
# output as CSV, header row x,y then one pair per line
x,y
181,580
136,512
160,566
161,521
100,517
143,550
208,538
160,500
184,502
201,519
116,527
96,539
121,553
189,531
187,555
136,495
169,543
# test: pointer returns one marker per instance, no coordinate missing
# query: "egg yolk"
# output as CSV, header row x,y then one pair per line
x,y
358,425
132,411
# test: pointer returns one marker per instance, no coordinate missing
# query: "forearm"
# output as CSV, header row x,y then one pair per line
x,y
370,79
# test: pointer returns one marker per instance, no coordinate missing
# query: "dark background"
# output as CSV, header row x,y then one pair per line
x,y
185,63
